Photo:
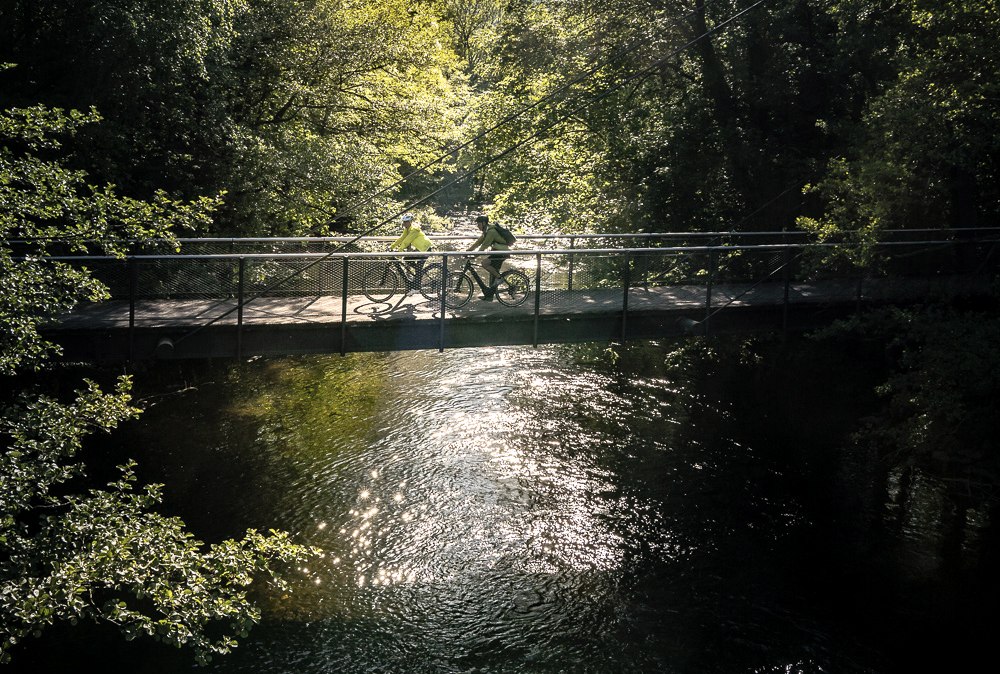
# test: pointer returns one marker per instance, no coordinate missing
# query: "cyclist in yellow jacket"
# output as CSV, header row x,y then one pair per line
x,y
412,238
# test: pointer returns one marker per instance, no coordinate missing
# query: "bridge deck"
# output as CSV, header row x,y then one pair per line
x,y
320,324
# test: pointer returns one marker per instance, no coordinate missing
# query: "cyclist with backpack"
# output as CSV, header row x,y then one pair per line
x,y
493,238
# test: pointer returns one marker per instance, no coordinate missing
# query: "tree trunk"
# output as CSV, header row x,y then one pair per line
x,y
724,108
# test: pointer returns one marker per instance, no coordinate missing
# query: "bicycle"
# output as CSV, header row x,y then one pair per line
x,y
380,282
512,288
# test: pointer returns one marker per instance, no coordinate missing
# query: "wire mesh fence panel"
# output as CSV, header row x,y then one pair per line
x,y
921,260
189,288
378,284
361,268
596,283
820,262
651,269
451,244
282,277
114,274
745,265
176,278
329,277
527,262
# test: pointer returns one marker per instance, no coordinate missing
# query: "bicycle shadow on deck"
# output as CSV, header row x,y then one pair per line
x,y
399,309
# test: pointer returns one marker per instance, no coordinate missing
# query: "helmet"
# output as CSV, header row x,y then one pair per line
x,y
407,217
482,219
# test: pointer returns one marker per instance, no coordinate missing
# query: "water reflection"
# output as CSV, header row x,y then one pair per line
x,y
479,508
453,482
518,510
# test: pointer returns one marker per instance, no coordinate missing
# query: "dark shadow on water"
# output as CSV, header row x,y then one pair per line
x,y
748,533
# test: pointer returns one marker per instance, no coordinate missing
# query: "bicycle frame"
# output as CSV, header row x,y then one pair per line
x,y
386,280
413,279
512,286
471,270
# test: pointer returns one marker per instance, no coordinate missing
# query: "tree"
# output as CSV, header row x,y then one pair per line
x,y
942,388
336,100
670,114
927,148
297,110
72,549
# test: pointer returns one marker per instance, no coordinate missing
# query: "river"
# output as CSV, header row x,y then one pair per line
x,y
562,509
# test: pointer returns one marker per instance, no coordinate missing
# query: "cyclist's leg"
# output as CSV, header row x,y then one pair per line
x,y
496,268
492,265
487,286
416,268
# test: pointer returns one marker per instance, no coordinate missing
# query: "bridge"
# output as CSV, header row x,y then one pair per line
x,y
238,298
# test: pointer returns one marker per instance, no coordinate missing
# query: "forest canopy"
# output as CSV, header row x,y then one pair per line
x,y
311,116
144,118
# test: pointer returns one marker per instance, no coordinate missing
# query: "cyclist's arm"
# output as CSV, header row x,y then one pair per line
x,y
403,241
478,242
489,238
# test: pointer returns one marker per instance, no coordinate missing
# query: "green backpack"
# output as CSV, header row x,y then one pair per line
x,y
506,234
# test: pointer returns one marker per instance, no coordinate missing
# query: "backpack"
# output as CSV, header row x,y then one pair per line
x,y
506,234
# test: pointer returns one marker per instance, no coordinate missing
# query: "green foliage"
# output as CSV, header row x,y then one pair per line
x,y
295,109
648,115
559,180
941,397
44,204
334,100
70,550
925,151
105,554
638,133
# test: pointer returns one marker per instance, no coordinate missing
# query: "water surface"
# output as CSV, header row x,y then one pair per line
x,y
560,509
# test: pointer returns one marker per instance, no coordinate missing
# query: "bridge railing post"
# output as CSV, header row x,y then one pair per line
x,y
538,294
133,282
860,287
441,305
343,308
626,282
569,278
712,253
787,278
239,307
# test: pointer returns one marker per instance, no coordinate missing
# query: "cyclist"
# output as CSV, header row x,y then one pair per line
x,y
412,238
492,240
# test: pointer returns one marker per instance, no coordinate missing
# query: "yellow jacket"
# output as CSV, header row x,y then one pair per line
x,y
412,236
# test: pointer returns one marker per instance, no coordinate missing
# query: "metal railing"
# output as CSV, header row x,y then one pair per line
x,y
528,241
205,289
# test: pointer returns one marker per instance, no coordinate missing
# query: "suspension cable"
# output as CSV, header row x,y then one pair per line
x,y
608,91
622,52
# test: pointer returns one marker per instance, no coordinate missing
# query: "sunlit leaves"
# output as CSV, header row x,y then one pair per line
x,y
925,154
44,204
72,550
105,554
296,110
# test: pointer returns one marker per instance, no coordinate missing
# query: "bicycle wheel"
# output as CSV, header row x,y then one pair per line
x,y
380,282
514,287
430,282
458,291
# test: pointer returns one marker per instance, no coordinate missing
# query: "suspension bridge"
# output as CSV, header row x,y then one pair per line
x,y
239,298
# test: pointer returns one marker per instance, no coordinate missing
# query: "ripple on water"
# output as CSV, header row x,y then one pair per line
x,y
498,509
476,504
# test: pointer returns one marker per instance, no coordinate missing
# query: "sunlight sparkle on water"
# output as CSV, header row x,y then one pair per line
x,y
455,497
